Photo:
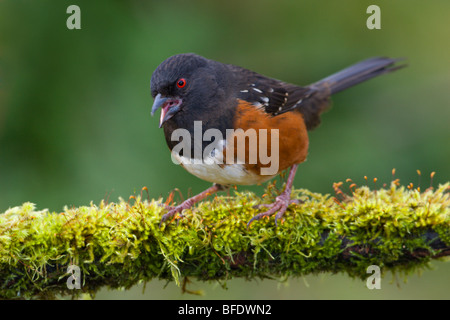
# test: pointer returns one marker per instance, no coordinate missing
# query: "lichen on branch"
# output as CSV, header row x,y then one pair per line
x,y
120,244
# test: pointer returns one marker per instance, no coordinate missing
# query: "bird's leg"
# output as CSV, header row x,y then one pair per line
x,y
282,202
188,203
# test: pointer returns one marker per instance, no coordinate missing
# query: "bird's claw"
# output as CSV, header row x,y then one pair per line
x,y
174,210
279,207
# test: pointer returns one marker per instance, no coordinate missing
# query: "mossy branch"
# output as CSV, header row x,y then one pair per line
x,y
121,244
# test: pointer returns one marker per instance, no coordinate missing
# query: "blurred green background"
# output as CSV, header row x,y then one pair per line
x,y
75,121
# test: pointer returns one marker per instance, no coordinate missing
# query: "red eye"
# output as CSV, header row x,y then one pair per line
x,y
181,83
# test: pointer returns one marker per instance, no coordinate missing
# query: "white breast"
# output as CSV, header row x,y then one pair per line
x,y
214,170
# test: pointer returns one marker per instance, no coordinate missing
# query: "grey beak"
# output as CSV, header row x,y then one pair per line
x,y
159,101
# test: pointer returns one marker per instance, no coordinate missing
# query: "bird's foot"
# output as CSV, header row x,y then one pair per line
x,y
279,207
187,204
173,210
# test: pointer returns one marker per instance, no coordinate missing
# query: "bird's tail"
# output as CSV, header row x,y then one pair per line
x,y
358,73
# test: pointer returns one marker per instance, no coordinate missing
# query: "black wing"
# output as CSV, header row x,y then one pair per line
x,y
277,97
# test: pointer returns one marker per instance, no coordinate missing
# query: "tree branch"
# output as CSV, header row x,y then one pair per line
x,y
121,244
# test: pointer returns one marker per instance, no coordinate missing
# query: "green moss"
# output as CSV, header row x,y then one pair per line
x,y
121,244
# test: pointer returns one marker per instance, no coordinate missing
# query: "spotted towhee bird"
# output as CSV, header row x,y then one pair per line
x,y
201,99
